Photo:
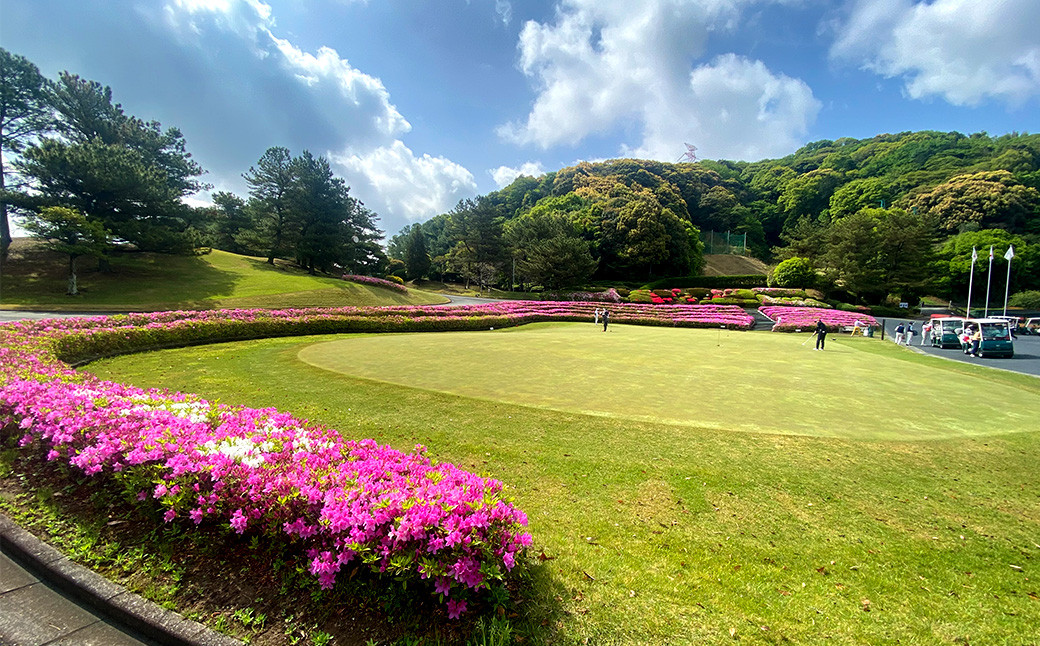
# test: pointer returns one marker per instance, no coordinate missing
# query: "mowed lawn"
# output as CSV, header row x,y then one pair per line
x,y
699,486
672,376
156,282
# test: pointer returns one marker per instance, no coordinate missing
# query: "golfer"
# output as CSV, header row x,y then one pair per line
x,y
606,319
821,335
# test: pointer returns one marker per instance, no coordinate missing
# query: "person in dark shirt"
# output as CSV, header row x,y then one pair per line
x,y
821,335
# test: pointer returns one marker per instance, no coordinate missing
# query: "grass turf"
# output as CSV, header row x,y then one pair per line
x,y
700,532
34,277
656,374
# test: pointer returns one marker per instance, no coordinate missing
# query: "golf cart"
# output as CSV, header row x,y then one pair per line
x,y
1014,322
946,332
996,337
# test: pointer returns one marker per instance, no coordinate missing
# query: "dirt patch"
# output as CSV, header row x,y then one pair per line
x,y
733,265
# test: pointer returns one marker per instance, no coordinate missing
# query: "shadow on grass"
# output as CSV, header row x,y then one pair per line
x,y
33,275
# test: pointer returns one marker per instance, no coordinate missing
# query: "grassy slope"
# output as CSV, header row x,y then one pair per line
x,y
162,282
671,533
732,265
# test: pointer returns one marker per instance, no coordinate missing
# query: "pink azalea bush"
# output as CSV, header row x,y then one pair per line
x,y
791,319
259,470
378,282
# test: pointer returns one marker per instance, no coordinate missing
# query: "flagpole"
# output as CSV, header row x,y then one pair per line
x,y
971,280
1007,286
989,275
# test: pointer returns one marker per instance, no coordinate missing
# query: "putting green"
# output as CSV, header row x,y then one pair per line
x,y
727,380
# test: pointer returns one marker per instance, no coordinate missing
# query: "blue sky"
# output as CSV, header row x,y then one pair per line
x,y
420,104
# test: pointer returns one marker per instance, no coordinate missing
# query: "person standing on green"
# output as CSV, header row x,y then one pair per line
x,y
821,335
606,319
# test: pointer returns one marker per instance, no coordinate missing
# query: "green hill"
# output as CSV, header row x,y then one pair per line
x,y
35,278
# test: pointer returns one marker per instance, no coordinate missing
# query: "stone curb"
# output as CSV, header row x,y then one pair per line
x,y
110,599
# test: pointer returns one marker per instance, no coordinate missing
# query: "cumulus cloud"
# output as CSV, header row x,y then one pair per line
x,y
392,180
322,103
736,105
963,51
504,175
607,65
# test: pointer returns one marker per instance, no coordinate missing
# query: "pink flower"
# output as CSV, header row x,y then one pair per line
x,y
239,521
455,609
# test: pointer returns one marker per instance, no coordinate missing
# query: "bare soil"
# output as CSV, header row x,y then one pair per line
x,y
733,265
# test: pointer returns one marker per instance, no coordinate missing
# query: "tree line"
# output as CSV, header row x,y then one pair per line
x,y
891,215
88,179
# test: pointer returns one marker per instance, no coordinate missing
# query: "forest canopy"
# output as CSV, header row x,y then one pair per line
x,y
872,216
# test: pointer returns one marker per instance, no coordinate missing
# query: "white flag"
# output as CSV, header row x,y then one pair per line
x,y
974,254
1010,253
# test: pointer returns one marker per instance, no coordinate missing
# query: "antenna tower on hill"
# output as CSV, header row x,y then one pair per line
x,y
690,155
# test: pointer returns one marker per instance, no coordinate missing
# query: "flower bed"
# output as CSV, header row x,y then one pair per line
x,y
258,470
792,319
378,282
791,302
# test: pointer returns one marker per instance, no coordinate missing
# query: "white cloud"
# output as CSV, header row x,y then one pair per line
x,y
243,17
392,180
604,65
504,175
964,51
736,106
317,100
327,73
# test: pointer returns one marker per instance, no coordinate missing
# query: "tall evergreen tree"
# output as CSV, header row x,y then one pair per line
x,y
25,114
124,173
270,184
417,256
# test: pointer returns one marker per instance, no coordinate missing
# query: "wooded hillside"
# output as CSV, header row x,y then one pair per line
x,y
889,214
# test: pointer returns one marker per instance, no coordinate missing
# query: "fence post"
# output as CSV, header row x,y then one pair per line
x,y
882,329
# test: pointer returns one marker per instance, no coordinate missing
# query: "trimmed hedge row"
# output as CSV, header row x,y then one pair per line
x,y
710,282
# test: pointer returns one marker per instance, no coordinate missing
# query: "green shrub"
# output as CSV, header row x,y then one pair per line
x,y
623,292
793,272
1029,300
395,279
709,282
640,296
729,300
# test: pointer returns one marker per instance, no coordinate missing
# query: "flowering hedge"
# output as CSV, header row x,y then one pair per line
x,y
607,296
378,282
260,470
793,319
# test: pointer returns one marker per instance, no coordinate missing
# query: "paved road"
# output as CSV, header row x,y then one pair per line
x,y
48,600
468,300
18,315
1026,359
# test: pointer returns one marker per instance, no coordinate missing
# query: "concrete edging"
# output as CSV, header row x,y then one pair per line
x,y
110,599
